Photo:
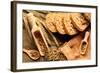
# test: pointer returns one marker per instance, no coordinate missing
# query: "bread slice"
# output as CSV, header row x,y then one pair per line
x,y
59,23
79,21
70,29
50,22
87,16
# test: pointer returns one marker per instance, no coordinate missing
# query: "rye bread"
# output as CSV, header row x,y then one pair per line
x,y
59,23
79,21
50,22
70,29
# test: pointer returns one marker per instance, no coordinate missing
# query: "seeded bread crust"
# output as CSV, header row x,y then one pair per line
x,y
67,23
59,23
79,21
50,22
70,29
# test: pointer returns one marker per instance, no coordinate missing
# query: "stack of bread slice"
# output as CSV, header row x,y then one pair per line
x,y
67,23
